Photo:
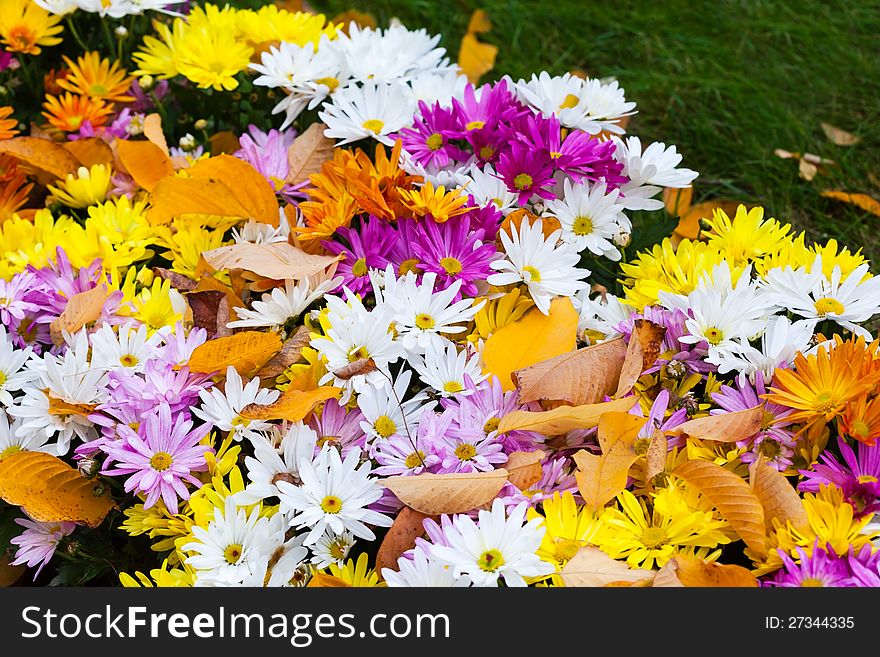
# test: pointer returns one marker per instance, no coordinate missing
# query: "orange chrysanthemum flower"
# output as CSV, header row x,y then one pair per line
x,y
25,26
322,219
14,193
863,356
861,420
69,112
7,124
97,78
436,203
820,386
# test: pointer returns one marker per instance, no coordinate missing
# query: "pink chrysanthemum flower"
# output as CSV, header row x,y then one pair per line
x,y
339,427
526,173
816,568
366,249
428,140
858,476
37,543
455,253
160,457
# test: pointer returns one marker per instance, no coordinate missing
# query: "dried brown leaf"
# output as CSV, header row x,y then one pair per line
x,y
839,136
277,260
308,152
641,352
563,418
433,494
592,567
723,428
602,478
293,405
81,309
694,572
524,468
290,353
778,497
210,310
357,368
401,536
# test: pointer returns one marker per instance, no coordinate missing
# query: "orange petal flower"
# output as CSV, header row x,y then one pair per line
x,y
7,124
97,78
69,112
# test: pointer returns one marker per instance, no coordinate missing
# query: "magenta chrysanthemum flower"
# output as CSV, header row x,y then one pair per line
x,y
487,219
858,476
683,356
160,457
454,253
339,426
526,173
12,298
774,440
816,569
398,456
428,139
367,249
159,383
494,106
864,566
37,543
402,254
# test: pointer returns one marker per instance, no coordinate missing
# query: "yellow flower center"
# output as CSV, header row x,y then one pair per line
x,y
491,424
453,387
424,321
2,377
474,125
358,353
825,403
12,449
359,268
21,39
27,329
534,274
486,152
522,181
566,548
867,479
97,89
859,429
769,448
331,83
161,461
331,504
555,155
415,459
374,125
490,560
435,141
582,226
385,426
338,549
714,335
569,102
232,553
327,440
465,452
407,266
811,582
128,360
653,537
827,305
767,420
451,266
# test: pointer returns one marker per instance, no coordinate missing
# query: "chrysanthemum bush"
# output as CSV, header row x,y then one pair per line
x,y
286,302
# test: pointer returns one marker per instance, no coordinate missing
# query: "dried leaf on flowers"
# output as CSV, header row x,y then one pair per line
x,y
863,201
325,581
689,222
356,368
641,352
693,572
10,574
246,351
276,260
524,468
62,407
585,376
655,457
41,154
154,133
723,428
475,58
211,283
807,170
81,309
838,136
617,425
307,153
533,338
49,490
224,185
291,352
91,151
601,478
292,405
224,142
210,310
778,497
563,418
592,567
677,200
145,162
178,281
733,498
458,492
359,18
401,536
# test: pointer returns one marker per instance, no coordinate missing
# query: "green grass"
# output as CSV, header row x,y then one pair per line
x,y
726,81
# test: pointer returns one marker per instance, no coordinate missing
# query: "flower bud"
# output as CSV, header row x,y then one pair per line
x,y
201,124
622,239
146,82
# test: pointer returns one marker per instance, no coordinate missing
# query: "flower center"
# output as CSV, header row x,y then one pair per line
x,y
331,83
825,403
491,424
27,330
451,266
859,429
767,420
566,548
358,353
2,378
827,305
338,549
385,426
453,387
374,125
769,448
474,125
232,553
424,321
331,504
12,449
128,360
569,102
435,141
22,39
714,335
653,537
359,268
582,226
555,155
490,560
534,274
522,181
415,459
97,89
867,479
811,582
161,461
465,452
407,266
486,152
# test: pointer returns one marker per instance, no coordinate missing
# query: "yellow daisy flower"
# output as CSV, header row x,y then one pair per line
x,y
356,573
499,312
24,242
270,24
88,186
159,305
747,236
186,241
164,577
25,26
157,57
434,202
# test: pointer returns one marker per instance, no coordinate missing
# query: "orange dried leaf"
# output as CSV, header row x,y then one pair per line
x,y
602,478
291,352
592,567
533,338
694,572
62,407
838,136
667,576
732,497
246,351
778,497
655,458
479,22
401,536
641,352
292,405
677,200
276,260
358,367
307,153
42,154
321,580
475,58
584,376
724,428
618,425
458,492
689,223
153,131
563,418
863,201
91,151
145,162
524,468
224,142
81,309
10,574
49,490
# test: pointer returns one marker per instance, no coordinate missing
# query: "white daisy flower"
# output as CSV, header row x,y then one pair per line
x,y
334,496
55,403
601,314
447,177
487,187
648,172
291,558
10,442
444,369
547,267
390,54
386,413
281,305
812,295
235,546
269,464
562,95
258,232
589,217
497,545
58,7
418,568
780,343
130,348
13,375
438,87
332,548
606,105
376,110
222,409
